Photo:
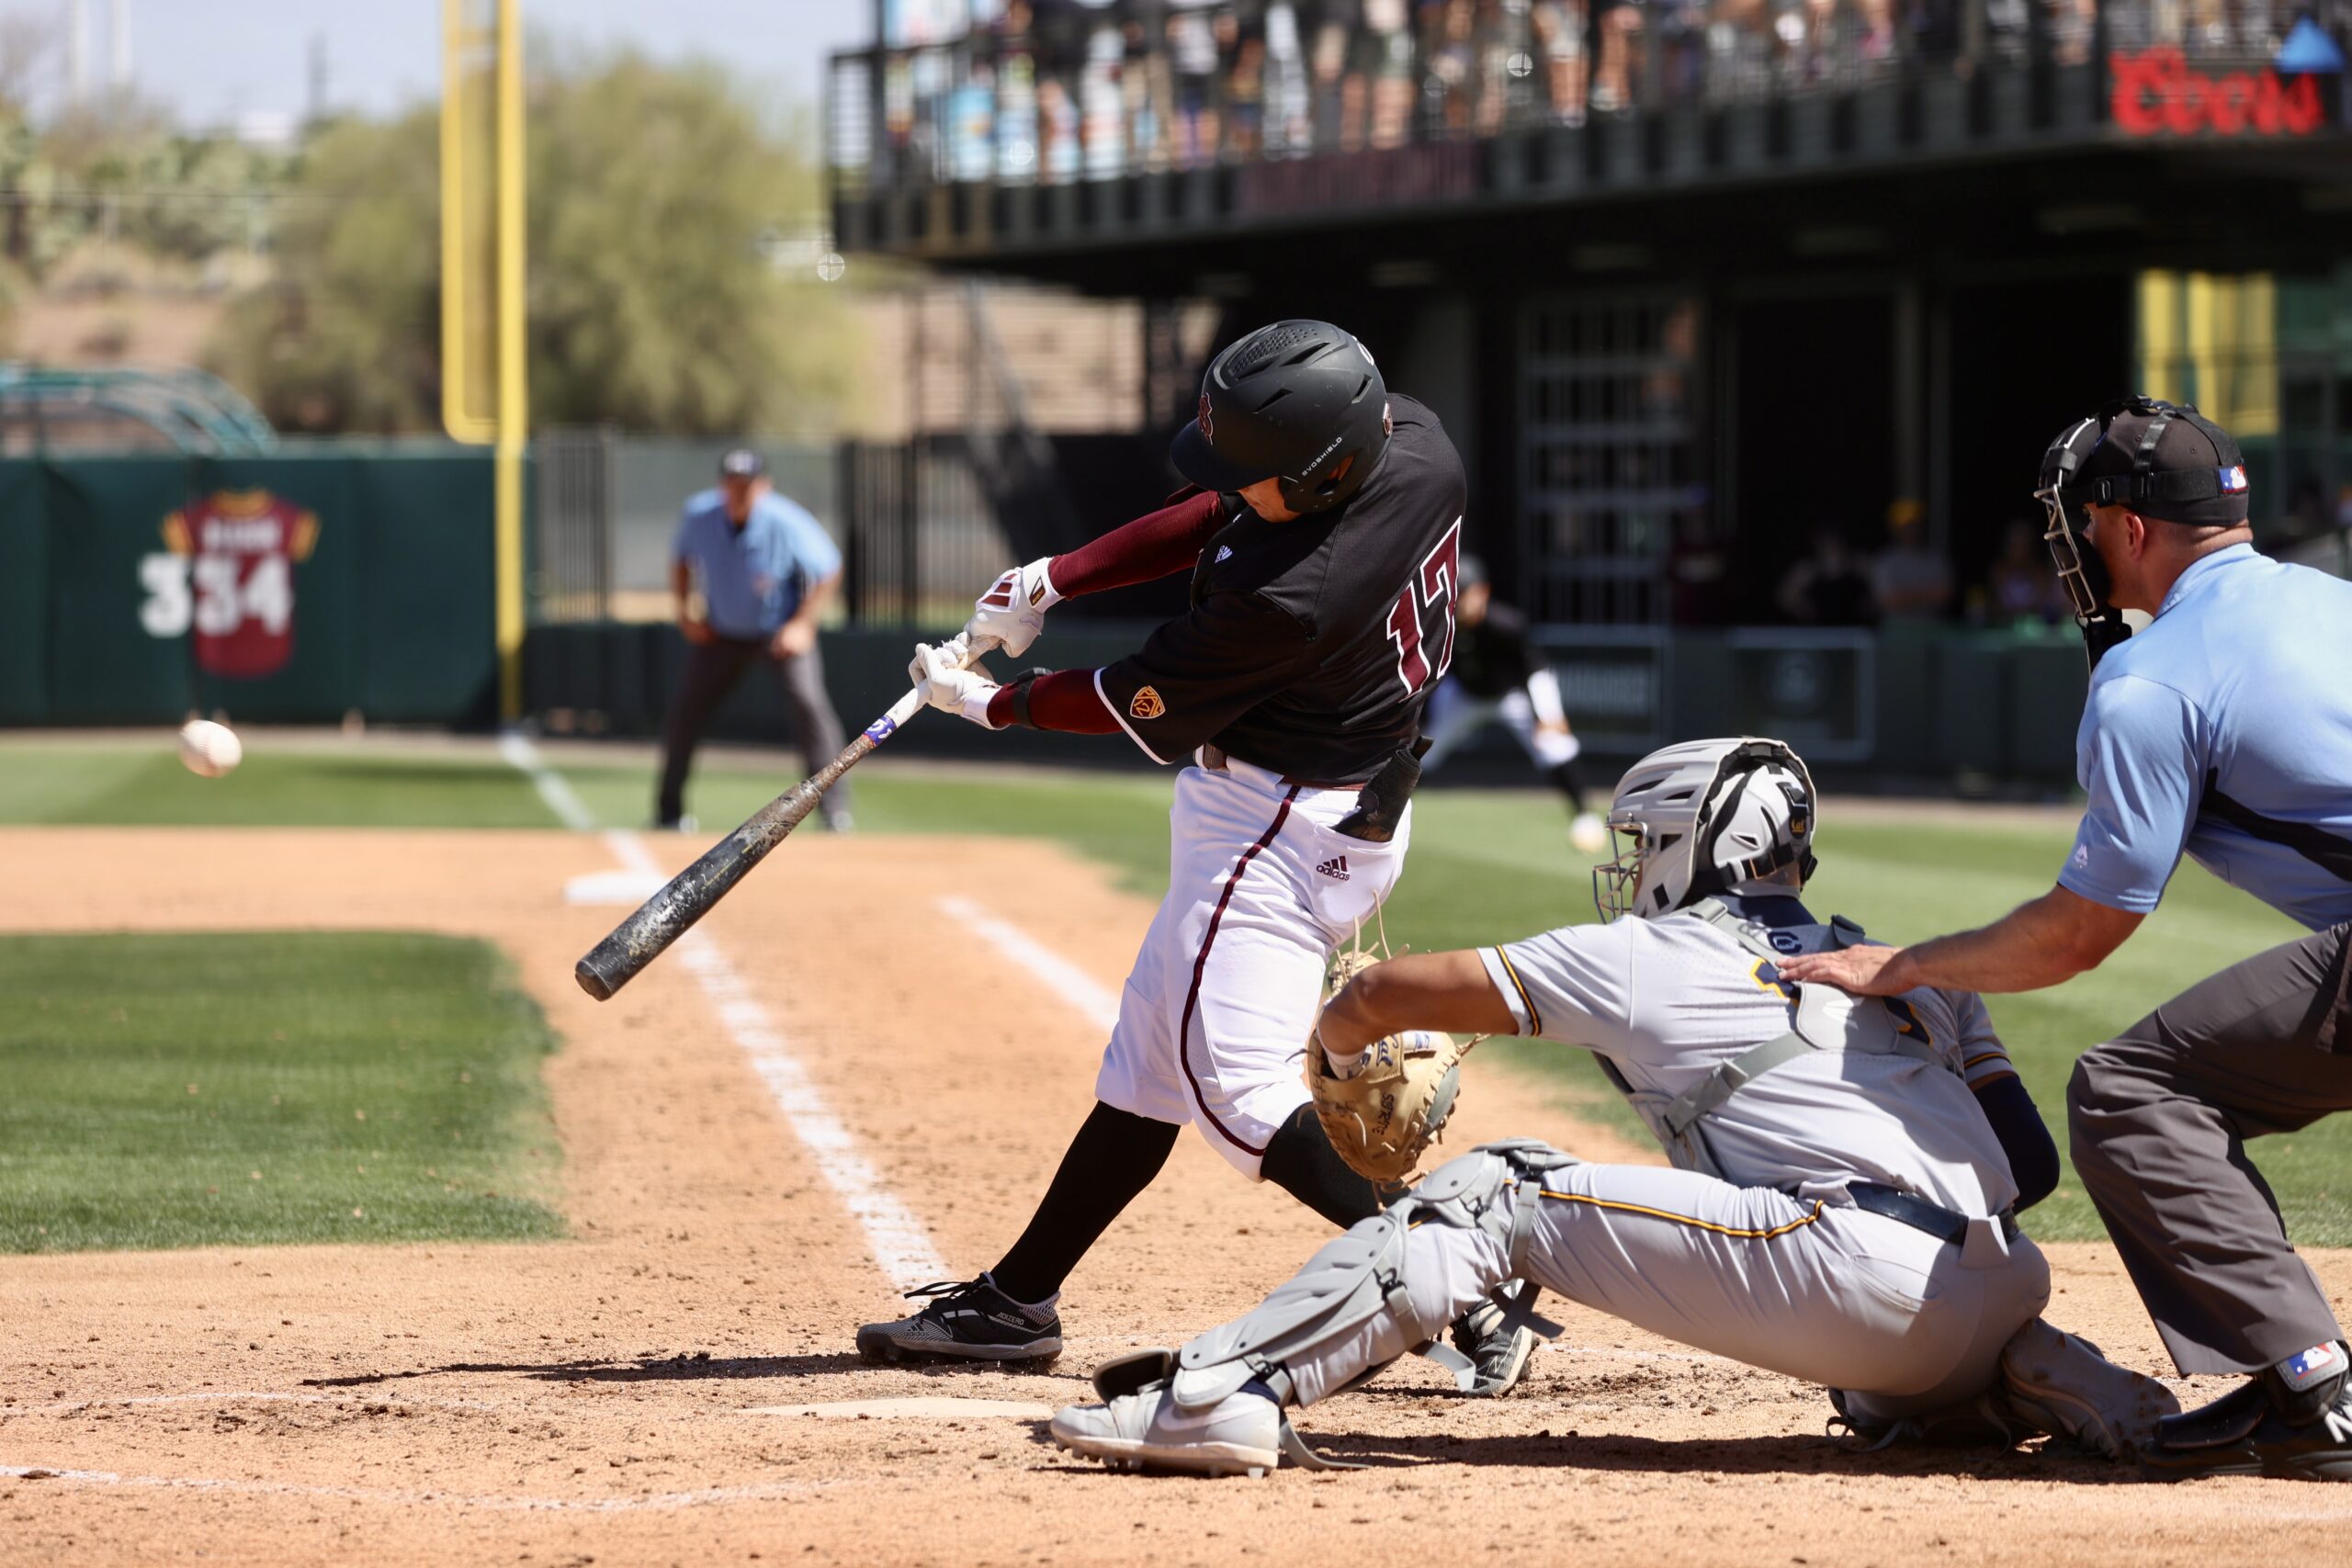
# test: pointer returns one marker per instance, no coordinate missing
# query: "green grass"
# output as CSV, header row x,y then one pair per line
x,y
142,786
182,1090
1485,865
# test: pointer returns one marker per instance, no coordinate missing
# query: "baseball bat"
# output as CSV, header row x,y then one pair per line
x,y
688,896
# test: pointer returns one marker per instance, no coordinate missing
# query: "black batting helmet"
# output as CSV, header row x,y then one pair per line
x,y
1301,402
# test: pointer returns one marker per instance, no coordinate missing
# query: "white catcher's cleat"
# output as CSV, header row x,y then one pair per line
x,y
2062,1384
1239,1435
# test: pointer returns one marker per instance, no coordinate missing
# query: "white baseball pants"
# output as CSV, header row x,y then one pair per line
x,y
1213,1023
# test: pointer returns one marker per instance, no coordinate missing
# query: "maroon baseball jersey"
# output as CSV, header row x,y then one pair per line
x,y
1311,644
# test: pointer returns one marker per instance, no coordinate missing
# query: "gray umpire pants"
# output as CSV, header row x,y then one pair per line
x,y
711,671
2160,1117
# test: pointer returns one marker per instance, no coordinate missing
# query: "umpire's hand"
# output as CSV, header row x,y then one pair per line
x,y
1867,971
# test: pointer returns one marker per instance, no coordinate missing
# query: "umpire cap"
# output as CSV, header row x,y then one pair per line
x,y
1301,402
2164,460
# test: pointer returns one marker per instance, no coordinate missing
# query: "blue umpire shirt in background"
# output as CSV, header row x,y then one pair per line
x,y
753,580
2220,730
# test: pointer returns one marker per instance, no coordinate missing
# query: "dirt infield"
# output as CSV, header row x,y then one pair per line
x,y
676,1384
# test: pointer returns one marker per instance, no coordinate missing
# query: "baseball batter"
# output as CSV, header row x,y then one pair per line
x,y
1323,542
1844,1175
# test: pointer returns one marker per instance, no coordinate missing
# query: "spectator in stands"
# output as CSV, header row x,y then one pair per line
x,y
1337,67
1289,108
1614,23
1145,90
1389,33
751,574
1241,44
1559,28
1912,579
2021,588
1193,61
1830,587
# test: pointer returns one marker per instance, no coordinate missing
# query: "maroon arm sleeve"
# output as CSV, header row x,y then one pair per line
x,y
1064,700
1168,540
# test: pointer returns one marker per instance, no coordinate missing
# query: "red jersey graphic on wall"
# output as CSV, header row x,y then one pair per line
x,y
241,545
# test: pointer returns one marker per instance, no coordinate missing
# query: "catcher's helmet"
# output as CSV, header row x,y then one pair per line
x,y
1301,402
1702,818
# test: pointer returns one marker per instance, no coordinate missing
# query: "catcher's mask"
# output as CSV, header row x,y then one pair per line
x,y
2183,484
1704,818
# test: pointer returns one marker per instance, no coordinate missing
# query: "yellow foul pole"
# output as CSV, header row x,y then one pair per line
x,y
514,382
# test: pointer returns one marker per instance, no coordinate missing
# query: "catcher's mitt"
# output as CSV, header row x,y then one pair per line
x,y
1383,1120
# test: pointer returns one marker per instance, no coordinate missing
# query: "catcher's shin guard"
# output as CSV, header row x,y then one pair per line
x,y
1354,1293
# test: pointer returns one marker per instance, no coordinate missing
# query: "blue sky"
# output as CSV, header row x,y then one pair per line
x,y
214,61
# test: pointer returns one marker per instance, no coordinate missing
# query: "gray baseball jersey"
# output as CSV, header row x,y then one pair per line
x,y
1762,1257
1665,1002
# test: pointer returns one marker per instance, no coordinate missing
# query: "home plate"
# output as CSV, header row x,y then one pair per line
x,y
631,887
926,1408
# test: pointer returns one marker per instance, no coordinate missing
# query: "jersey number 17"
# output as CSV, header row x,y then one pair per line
x,y
1422,618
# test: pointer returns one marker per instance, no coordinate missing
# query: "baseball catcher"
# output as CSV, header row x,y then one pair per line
x,y
1846,1175
1323,541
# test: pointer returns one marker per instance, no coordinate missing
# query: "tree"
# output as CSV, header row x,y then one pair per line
x,y
655,193
346,336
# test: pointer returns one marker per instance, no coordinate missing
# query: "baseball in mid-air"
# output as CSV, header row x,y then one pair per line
x,y
210,748
1588,834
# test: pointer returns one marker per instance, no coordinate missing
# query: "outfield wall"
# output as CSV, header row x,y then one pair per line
x,y
288,589
1930,704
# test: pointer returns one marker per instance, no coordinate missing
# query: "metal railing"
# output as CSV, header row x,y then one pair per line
x,y
1140,87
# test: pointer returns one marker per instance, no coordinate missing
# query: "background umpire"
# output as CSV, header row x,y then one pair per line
x,y
2223,730
764,570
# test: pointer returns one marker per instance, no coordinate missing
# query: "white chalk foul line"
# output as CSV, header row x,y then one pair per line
x,y
247,1396
897,1239
1092,1001
899,1243
560,798
652,1502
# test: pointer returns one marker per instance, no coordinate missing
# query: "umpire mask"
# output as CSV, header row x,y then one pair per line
x,y
2121,456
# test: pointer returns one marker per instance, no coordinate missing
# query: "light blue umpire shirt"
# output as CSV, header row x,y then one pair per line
x,y
2224,729
751,582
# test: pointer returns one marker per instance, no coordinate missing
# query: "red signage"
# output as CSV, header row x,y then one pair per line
x,y
2157,94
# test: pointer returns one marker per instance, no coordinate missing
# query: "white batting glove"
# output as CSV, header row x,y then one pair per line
x,y
948,686
1012,612
1343,1065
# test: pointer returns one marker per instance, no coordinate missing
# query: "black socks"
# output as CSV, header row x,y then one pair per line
x,y
1302,1162
1112,1161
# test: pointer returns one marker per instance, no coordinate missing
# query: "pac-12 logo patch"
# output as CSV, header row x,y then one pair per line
x,y
1146,705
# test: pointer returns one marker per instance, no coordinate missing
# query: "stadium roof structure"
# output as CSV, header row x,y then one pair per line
x,y
1786,147
187,410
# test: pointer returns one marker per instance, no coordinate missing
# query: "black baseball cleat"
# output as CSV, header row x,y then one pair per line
x,y
970,1320
1497,1349
2244,1433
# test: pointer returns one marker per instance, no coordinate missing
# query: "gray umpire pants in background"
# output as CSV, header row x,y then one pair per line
x,y
712,669
2160,1117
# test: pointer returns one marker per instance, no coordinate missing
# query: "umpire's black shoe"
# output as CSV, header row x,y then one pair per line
x,y
966,1321
2242,1433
